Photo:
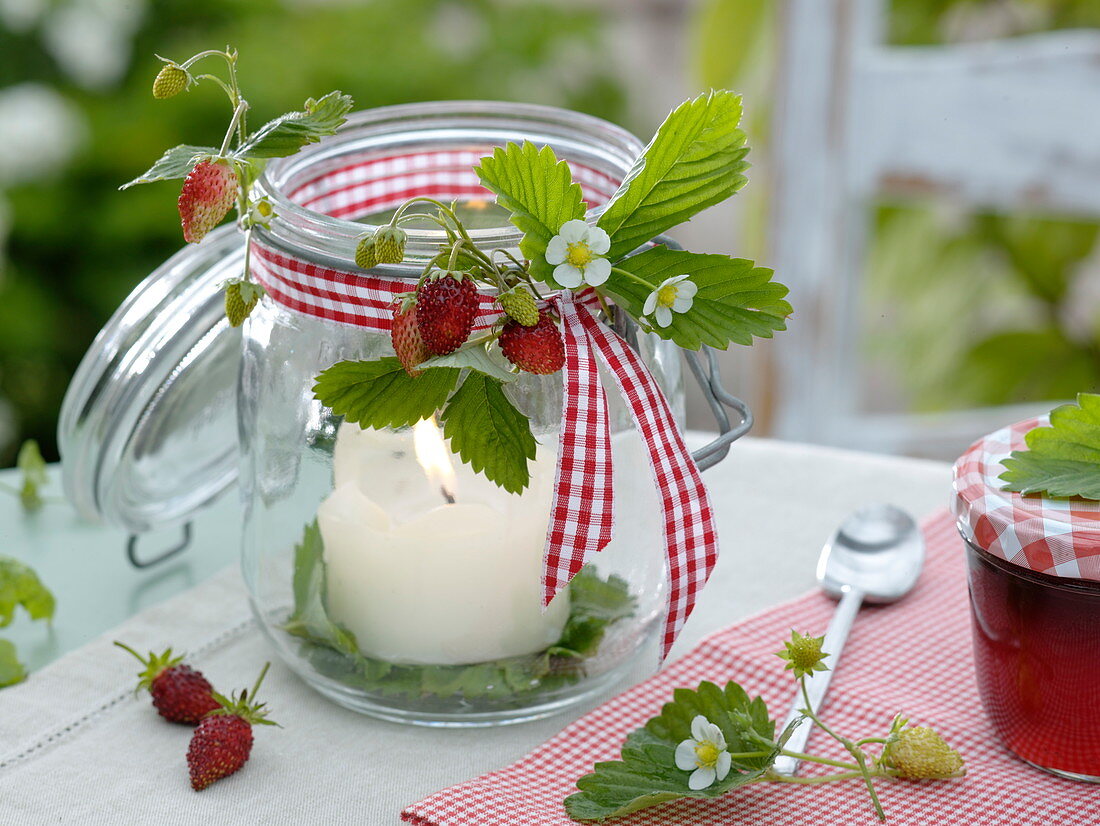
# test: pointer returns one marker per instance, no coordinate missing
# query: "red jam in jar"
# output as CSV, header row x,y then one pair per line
x,y
1037,661
1033,566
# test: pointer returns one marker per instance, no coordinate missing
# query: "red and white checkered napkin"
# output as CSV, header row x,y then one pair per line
x,y
1059,537
913,657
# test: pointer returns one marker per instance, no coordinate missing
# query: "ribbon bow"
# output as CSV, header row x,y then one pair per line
x,y
582,515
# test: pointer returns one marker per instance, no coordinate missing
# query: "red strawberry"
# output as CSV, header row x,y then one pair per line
x,y
537,349
405,335
222,742
209,192
180,694
446,305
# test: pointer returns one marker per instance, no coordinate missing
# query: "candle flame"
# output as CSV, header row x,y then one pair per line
x,y
432,453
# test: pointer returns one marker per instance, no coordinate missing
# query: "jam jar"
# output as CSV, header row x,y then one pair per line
x,y
1033,568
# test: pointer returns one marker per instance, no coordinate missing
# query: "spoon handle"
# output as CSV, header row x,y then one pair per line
x,y
818,683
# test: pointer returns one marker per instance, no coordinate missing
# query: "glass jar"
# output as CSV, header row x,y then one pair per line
x,y
389,575
1037,662
1034,583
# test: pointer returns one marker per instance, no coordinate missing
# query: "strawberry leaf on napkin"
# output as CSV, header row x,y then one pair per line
x,y
1062,460
647,774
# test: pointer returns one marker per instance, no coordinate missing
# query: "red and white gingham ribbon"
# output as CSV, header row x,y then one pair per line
x,y
582,511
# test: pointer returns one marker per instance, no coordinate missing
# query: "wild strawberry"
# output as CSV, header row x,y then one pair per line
x,y
222,742
520,305
405,335
180,694
241,298
446,305
209,192
366,252
389,245
170,81
537,349
920,753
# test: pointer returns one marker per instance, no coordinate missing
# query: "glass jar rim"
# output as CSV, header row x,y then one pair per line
x,y
331,241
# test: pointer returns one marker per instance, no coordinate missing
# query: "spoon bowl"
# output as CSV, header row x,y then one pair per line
x,y
878,550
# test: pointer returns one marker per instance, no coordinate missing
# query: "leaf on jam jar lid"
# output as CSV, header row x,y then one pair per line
x,y
1063,459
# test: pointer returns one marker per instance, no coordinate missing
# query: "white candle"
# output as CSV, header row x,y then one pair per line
x,y
418,580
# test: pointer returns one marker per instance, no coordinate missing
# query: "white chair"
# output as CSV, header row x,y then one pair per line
x,y
1007,124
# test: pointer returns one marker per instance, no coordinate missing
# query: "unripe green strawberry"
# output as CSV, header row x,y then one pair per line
x,y
803,654
920,753
209,192
389,245
170,81
366,253
520,305
240,300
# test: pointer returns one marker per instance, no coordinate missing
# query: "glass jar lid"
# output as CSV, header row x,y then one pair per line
x,y
148,426
1058,537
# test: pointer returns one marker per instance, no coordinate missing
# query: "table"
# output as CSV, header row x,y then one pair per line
x,y
95,755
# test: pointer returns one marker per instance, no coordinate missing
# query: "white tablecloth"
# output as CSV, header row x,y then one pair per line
x,y
77,747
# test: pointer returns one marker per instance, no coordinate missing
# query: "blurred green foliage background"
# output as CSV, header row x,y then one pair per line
x,y
960,308
77,120
75,246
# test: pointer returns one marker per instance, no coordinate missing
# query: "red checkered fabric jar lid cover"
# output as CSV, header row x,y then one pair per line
x,y
1058,537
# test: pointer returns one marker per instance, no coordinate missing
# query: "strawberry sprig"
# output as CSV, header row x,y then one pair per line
x,y
217,179
444,304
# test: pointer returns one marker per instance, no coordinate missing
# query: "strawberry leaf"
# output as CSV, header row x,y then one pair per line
x,y
287,134
736,299
475,357
381,394
175,163
489,433
1062,460
539,191
647,774
310,619
21,587
33,468
696,160
11,670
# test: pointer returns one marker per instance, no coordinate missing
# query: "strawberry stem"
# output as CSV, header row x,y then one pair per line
x,y
221,83
125,647
234,123
259,680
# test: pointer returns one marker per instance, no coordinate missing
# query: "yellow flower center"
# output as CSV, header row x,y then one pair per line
x,y
666,296
706,754
579,255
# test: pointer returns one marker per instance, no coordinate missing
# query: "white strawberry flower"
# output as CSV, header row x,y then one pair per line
x,y
576,253
703,754
674,295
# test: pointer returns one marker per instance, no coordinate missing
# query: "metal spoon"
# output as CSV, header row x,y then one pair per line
x,y
875,555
